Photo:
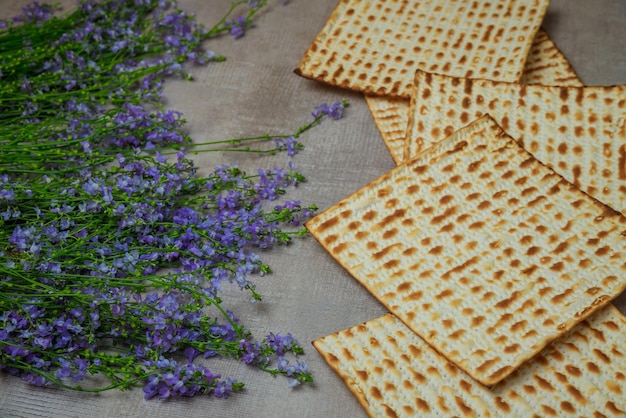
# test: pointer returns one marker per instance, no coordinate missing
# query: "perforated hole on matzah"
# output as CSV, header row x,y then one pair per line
x,y
546,65
393,372
480,249
580,132
376,46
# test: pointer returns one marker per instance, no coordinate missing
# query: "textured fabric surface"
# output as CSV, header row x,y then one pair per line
x,y
255,92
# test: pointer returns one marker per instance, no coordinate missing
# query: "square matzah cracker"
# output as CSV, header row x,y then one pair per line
x,y
376,46
580,132
480,249
393,372
546,65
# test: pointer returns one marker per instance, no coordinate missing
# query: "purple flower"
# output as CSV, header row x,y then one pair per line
x,y
281,344
237,27
294,371
170,378
35,12
335,111
249,353
35,379
223,389
290,144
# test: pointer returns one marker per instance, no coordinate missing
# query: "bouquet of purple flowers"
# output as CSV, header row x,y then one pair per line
x,y
113,249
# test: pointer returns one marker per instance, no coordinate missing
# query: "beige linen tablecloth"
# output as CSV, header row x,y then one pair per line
x,y
256,92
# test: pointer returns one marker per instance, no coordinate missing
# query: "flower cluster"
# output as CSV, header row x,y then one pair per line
x,y
335,111
113,249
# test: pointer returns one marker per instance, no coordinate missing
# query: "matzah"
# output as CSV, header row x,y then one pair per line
x,y
393,372
376,46
480,249
580,132
546,65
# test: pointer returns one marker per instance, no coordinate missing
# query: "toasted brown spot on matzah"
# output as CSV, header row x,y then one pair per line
x,y
376,394
422,405
330,223
362,374
339,248
573,370
559,283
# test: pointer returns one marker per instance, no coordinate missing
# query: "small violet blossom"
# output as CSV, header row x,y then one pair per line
x,y
335,111
237,27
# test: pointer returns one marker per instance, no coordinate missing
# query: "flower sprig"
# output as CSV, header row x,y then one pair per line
x,y
113,249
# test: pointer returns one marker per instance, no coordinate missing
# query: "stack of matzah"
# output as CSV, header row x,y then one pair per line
x,y
498,242
545,66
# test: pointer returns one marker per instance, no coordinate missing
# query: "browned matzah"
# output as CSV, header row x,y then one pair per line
x,y
393,372
376,46
546,65
580,132
480,249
